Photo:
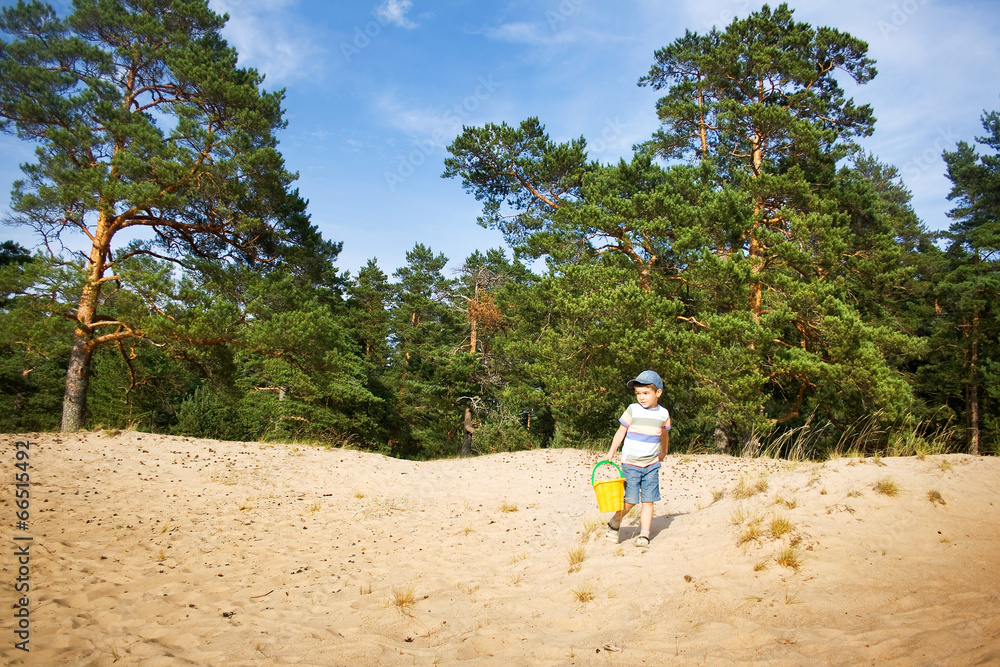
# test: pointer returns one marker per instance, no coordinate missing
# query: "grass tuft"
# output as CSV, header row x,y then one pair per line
x,y
780,526
584,594
752,532
790,504
746,489
935,497
789,557
739,516
404,599
508,507
887,487
591,527
576,557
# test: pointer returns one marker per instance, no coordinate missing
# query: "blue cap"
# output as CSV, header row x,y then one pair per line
x,y
646,377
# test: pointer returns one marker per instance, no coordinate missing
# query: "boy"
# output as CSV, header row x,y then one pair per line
x,y
645,432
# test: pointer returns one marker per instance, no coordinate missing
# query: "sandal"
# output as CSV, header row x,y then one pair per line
x,y
642,542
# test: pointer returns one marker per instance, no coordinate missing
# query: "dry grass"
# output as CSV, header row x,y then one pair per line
x,y
379,507
790,504
359,494
718,495
584,594
739,516
576,558
780,526
404,599
161,556
507,507
887,487
746,489
591,527
751,533
789,557
761,565
518,557
935,497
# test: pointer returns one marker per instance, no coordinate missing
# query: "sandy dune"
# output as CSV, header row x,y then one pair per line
x,y
156,550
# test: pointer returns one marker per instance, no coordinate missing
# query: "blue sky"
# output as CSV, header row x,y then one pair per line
x,y
376,89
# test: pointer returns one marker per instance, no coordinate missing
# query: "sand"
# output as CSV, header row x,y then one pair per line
x,y
157,550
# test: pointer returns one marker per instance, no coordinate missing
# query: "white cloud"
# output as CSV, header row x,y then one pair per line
x,y
519,32
271,38
418,123
394,11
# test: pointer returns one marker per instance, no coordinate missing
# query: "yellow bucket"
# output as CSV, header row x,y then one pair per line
x,y
610,492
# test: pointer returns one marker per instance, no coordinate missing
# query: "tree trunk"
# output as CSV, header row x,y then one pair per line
x,y
467,434
973,388
80,355
723,435
77,383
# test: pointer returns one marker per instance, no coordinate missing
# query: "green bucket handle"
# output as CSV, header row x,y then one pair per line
x,y
599,464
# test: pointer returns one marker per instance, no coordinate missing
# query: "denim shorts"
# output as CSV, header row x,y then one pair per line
x,y
642,484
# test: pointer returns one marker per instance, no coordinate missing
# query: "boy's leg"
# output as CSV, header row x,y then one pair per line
x,y
646,518
650,494
645,521
615,522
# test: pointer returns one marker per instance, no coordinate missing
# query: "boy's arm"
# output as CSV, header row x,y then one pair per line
x,y
616,441
664,443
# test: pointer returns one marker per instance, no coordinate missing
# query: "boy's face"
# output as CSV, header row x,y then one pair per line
x,y
647,395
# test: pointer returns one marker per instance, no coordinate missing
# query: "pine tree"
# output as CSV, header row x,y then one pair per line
x,y
143,122
971,289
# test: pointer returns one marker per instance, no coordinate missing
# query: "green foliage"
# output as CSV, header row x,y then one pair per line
x,y
774,275
33,343
142,120
968,292
745,277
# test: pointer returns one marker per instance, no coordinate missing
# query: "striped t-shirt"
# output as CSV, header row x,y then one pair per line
x,y
642,440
